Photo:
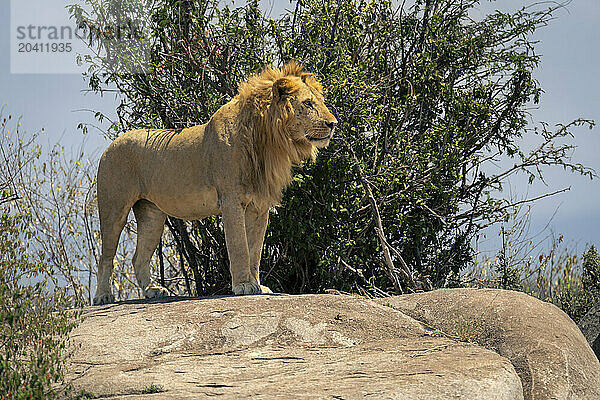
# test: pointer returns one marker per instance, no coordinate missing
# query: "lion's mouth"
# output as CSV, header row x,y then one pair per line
x,y
318,139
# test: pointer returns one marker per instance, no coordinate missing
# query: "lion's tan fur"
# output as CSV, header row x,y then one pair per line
x,y
236,165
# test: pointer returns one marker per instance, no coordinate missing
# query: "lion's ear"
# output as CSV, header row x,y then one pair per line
x,y
283,87
305,76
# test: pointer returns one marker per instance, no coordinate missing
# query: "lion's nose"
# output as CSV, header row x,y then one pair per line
x,y
331,124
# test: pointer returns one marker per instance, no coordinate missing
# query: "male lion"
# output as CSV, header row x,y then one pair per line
x,y
236,165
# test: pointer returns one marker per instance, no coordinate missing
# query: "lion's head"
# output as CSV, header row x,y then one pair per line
x,y
286,120
299,97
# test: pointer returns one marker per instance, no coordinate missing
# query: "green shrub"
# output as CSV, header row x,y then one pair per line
x,y
153,388
576,296
591,272
35,318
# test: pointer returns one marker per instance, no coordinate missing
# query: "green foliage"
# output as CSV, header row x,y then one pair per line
x,y
591,271
34,318
428,101
57,193
150,389
36,310
577,293
85,395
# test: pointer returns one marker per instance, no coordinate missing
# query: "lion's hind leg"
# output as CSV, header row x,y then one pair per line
x,y
112,221
150,224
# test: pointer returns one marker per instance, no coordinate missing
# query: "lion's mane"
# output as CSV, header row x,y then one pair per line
x,y
270,149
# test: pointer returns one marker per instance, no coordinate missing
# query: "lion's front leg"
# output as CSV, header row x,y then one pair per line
x,y
256,227
234,223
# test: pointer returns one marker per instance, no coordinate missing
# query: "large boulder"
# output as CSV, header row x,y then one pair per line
x,y
590,327
547,349
278,347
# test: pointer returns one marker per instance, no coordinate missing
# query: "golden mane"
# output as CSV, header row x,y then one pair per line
x,y
270,147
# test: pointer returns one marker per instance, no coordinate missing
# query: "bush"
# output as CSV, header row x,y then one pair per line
x,y
36,312
591,272
577,295
35,319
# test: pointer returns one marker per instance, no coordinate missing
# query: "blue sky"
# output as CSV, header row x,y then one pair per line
x,y
568,74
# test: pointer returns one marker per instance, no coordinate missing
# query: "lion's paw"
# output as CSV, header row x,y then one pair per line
x,y
103,298
250,288
155,291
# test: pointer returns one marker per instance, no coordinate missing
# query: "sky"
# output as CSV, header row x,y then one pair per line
x,y
568,74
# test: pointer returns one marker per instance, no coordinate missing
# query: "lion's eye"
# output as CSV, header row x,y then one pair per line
x,y
308,103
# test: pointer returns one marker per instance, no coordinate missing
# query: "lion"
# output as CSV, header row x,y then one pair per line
x,y
236,165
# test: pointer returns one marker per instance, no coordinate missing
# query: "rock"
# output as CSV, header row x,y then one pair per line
x,y
590,327
277,347
548,351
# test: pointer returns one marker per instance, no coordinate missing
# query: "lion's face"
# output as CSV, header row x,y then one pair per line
x,y
311,120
